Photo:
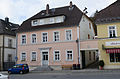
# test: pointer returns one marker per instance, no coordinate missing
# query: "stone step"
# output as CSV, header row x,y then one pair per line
x,y
43,68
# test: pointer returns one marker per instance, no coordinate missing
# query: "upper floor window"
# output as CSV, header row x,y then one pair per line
x,y
56,36
44,37
56,55
33,56
33,38
112,31
69,55
23,57
68,34
23,39
9,42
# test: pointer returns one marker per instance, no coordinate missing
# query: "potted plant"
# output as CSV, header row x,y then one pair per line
x,y
101,64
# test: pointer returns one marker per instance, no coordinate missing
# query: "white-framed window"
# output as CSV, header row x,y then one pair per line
x,y
23,39
44,37
34,56
114,57
35,22
23,56
42,21
57,55
56,36
9,42
69,55
112,31
34,40
58,19
68,34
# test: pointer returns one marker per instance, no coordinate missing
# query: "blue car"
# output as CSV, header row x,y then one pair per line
x,y
19,68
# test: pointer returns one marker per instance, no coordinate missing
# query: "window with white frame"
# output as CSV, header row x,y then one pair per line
x,y
56,36
69,55
33,56
51,20
68,34
112,31
35,22
114,57
23,56
23,39
56,55
44,37
41,21
33,38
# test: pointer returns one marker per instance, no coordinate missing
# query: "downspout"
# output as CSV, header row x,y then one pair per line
x,y
16,58
78,44
3,52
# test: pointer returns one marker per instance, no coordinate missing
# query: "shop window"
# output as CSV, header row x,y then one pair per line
x,y
114,57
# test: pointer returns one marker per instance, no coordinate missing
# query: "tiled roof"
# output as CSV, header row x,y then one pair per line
x,y
8,28
109,14
72,18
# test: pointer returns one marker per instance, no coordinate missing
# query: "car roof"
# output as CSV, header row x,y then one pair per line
x,y
21,64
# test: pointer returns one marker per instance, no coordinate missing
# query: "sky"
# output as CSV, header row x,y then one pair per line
x,y
20,10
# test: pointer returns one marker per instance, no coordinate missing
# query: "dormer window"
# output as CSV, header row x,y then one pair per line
x,y
35,22
41,21
52,20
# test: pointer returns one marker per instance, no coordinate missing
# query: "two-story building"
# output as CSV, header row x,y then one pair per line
x,y
52,37
7,43
108,30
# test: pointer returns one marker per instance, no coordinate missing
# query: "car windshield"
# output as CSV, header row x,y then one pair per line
x,y
17,66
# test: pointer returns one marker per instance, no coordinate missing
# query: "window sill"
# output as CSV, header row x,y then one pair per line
x,y
33,60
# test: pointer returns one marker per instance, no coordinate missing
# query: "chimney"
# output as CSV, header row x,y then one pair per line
x,y
70,4
6,19
47,9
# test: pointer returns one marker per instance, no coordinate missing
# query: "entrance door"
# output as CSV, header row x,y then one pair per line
x,y
44,58
83,59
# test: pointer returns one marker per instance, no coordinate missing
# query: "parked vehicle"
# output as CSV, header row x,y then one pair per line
x,y
19,68
3,76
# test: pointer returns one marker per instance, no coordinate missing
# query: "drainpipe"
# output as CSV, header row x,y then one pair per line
x,y
78,44
16,58
3,52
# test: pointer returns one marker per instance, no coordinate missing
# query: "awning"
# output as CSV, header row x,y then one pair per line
x,y
112,50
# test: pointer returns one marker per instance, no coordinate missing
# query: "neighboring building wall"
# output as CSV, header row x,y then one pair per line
x,y
104,34
86,28
10,50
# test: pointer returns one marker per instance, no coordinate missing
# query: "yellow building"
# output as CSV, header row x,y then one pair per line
x,y
108,31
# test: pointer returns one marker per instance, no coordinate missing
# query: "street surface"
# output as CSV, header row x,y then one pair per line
x,y
68,75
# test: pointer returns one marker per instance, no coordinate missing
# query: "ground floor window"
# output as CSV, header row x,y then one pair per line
x,y
114,57
23,57
56,55
69,55
33,56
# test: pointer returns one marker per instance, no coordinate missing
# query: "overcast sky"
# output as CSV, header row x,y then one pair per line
x,y
20,10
